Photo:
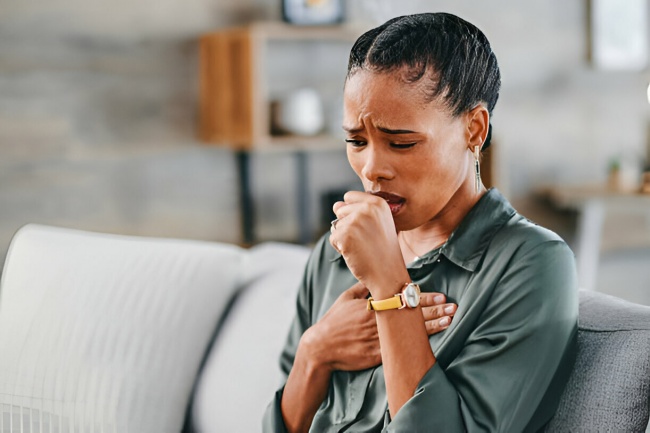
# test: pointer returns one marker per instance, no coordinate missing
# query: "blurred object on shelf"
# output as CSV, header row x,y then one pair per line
x,y
645,182
300,112
624,174
614,174
312,12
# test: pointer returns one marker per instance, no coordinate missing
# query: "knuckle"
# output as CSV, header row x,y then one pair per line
x,y
434,312
434,298
426,299
371,208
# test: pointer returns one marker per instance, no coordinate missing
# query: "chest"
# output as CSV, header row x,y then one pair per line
x,y
469,290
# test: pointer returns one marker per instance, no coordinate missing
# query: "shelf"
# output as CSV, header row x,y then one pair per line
x,y
279,31
243,68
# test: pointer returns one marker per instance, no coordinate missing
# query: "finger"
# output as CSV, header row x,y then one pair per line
x,y
345,209
432,298
358,196
333,241
338,205
439,311
437,325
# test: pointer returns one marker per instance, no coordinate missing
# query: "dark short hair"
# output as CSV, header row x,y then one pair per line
x,y
452,54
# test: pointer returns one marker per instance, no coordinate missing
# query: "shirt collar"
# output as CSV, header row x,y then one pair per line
x,y
468,242
471,238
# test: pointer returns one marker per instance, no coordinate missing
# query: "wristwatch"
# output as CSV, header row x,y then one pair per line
x,y
408,297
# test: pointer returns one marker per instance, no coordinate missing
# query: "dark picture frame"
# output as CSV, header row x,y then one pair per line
x,y
312,12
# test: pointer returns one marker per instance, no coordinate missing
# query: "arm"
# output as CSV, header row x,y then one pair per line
x,y
523,338
313,352
405,351
304,391
366,237
345,338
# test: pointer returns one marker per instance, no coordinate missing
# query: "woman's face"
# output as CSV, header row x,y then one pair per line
x,y
413,153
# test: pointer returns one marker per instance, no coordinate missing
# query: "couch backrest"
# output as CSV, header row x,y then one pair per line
x,y
106,333
609,388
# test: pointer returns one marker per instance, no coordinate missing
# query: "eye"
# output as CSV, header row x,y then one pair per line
x,y
402,145
355,143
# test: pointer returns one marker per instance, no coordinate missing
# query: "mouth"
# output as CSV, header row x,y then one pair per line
x,y
395,202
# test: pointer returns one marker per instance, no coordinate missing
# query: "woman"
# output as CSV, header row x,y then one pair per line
x,y
490,343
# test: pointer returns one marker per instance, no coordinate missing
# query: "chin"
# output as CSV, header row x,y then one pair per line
x,y
403,225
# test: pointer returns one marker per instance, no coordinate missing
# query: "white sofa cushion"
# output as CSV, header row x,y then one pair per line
x,y
105,333
242,371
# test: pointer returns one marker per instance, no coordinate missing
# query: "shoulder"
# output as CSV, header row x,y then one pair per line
x,y
532,262
519,236
525,253
533,267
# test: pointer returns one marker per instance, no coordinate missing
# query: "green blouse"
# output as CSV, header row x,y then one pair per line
x,y
504,361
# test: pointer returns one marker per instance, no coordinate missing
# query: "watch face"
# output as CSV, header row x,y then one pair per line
x,y
412,295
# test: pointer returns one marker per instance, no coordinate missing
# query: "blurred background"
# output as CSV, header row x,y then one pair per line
x,y
107,122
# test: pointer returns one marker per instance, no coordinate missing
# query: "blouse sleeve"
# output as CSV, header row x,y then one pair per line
x,y
524,341
273,421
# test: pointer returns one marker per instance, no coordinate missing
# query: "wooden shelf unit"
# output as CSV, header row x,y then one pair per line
x,y
234,92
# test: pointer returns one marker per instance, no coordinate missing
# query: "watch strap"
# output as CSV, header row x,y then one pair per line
x,y
392,303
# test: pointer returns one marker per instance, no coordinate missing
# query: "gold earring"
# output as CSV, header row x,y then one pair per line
x,y
477,168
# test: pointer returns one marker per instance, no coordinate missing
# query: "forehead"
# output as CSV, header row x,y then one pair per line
x,y
385,97
369,85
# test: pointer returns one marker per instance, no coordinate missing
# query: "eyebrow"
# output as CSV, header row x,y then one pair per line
x,y
354,130
395,131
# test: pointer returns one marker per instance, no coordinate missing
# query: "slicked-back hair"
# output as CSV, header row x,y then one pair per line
x,y
452,55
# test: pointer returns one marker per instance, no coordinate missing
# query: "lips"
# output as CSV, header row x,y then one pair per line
x,y
395,202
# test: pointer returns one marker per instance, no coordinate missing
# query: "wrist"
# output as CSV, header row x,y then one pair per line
x,y
312,351
389,287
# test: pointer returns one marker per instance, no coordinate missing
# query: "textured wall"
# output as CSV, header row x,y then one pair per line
x,y
558,120
98,111
97,124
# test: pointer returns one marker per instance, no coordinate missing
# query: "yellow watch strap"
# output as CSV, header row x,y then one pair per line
x,y
387,304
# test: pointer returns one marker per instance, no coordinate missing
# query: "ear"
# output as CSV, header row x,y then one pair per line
x,y
478,123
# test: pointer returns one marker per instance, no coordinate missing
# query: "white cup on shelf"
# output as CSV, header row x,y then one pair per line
x,y
301,112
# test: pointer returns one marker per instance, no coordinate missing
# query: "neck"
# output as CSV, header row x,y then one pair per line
x,y
436,231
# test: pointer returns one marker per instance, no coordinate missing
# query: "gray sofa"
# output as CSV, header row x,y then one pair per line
x,y
106,333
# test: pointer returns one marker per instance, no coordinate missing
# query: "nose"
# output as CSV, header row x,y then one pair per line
x,y
375,164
